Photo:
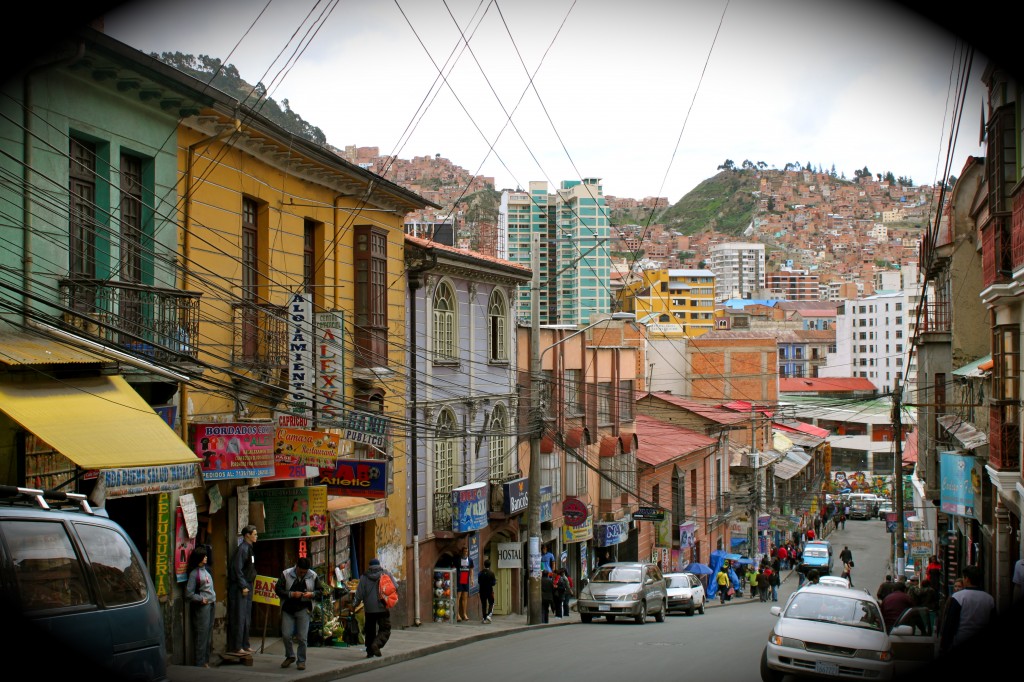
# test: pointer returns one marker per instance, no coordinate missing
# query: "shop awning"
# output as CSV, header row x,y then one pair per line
x,y
97,423
349,511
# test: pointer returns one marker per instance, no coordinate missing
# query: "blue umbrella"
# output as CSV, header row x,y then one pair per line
x,y
733,557
744,560
698,569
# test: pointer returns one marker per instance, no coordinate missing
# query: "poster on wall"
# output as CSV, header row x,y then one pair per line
x,y
238,450
958,483
686,533
291,512
469,507
183,545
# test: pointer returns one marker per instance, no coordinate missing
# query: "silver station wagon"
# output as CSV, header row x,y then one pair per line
x,y
624,588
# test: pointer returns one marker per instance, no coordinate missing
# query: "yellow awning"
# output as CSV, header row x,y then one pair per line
x,y
97,423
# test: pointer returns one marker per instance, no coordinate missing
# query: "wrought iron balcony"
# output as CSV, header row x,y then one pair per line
x,y
443,511
153,322
260,337
937,317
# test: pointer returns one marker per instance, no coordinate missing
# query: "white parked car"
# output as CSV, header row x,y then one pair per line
x,y
685,593
835,580
830,632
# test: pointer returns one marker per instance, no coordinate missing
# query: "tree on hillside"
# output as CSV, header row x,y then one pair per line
x,y
762,165
905,181
833,171
748,164
809,167
890,178
728,165
862,173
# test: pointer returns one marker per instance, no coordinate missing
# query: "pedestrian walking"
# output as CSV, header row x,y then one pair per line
x,y
752,580
547,595
848,571
557,593
773,584
762,585
201,596
568,592
297,589
241,576
377,630
722,582
547,560
487,580
462,584
846,555
842,521
968,611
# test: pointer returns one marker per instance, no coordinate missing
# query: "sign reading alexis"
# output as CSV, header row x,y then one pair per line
x,y
469,507
356,478
366,427
330,366
301,344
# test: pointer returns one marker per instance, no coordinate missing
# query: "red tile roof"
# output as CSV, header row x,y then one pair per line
x,y
827,384
710,412
661,442
802,427
464,253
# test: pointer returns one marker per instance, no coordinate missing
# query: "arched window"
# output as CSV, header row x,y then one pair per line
x,y
498,454
445,448
497,327
445,323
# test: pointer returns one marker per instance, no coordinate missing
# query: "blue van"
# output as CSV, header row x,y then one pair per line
x,y
80,585
817,555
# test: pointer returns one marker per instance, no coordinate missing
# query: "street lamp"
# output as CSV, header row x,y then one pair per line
x,y
536,424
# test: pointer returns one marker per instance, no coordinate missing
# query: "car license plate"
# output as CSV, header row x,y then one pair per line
x,y
826,668
603,607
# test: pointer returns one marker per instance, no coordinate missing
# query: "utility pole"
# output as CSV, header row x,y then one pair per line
x,y
897,427
536,425
755,499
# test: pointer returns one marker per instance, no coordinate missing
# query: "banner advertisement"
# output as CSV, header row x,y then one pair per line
x,y
263,591
291,512
301,344
663,531
313,448
330,366
612,533
545,503
183,545
958,484
356,478
164,545
469,507
687,531
132,481
581,533
238,450
515,498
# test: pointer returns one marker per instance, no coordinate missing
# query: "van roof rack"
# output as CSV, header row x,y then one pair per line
x,y
45,498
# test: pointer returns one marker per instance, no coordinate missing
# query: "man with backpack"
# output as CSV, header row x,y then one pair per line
x,y
377,630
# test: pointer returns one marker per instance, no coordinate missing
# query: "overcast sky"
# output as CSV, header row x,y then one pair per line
x,y
650,95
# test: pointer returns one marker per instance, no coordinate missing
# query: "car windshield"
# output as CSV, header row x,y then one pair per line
x,y
835,609
677,581
617,574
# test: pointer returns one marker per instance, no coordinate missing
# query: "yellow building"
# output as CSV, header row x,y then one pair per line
x,y
299,259
673,303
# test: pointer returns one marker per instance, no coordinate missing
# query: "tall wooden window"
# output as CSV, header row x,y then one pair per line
x,y
445,449
444,306
497,327
371,329
130,308
308,256
498,454
82,221
250,278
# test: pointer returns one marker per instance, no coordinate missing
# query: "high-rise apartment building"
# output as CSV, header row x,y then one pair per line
x,y
575,263
793,285
739,269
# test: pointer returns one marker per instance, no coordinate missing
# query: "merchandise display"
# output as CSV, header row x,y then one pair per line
x,y
444,595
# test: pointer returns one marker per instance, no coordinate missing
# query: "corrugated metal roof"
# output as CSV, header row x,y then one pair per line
x,y
24,348
966,433
792,464
663,442
980,368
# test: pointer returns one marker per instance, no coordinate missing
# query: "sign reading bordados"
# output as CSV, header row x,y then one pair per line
x,y
237,450
574,512
649,514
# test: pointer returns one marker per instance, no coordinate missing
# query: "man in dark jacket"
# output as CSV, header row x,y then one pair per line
x,y
547,595
487,580
377,630
895,604
241,576
968,611
296,588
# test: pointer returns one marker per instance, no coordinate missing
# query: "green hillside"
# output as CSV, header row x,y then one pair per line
x,y
724,202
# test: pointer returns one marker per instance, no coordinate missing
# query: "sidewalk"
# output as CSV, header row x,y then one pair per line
x,y
329,663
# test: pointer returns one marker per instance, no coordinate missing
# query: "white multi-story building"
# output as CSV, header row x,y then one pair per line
x,y
739,269
873,336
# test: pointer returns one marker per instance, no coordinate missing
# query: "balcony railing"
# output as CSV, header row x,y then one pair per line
x,y
937,317
996,250
260,337
1004,439
1017,228
443,511
153,322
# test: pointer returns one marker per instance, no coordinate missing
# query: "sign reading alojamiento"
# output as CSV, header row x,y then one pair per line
x,y
301,346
